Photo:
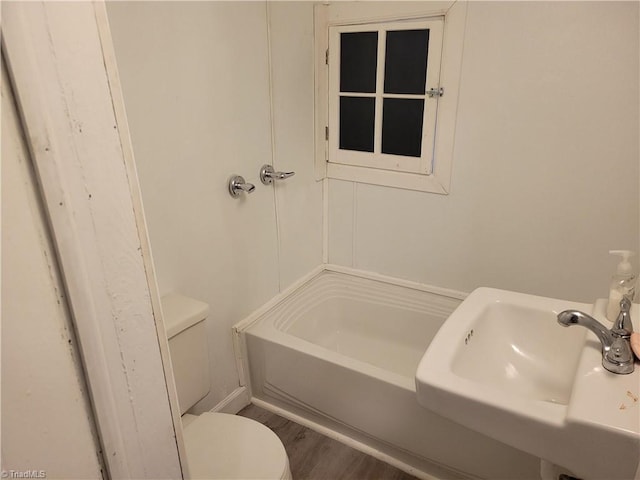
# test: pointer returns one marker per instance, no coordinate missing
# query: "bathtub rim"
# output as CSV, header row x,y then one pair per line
x,y
250,319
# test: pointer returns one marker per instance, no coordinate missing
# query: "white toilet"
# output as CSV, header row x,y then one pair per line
x,y
218,445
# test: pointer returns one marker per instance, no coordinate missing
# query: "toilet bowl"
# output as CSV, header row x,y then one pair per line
x,y
225,446
219,446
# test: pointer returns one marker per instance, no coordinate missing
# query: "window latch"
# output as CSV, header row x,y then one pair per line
x,y
435,92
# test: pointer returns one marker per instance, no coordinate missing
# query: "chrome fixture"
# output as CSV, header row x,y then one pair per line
x,y
623,322
268,174
237,185
617,356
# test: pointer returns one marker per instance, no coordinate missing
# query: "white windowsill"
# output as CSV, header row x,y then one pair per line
x,y
389,178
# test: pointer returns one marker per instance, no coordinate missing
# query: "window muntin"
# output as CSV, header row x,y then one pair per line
x,y
400,136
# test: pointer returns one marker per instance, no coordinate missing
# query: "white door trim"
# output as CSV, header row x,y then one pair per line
x,y
61,62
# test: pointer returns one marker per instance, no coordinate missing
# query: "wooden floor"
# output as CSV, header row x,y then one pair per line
x,y
313,456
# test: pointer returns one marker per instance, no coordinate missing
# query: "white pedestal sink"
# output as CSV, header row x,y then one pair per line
x,y
503,366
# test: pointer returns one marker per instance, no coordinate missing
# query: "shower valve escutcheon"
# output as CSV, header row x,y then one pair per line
x,y
268,174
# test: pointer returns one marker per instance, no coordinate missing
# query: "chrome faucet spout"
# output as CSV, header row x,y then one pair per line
x,y
617,356
576,317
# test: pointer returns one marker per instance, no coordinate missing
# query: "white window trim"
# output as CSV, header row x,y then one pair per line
x,y
437,181
377,159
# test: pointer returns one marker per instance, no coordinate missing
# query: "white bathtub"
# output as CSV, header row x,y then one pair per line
x,y
340,351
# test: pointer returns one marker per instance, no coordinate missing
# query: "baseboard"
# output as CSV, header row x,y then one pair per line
x,y
234,402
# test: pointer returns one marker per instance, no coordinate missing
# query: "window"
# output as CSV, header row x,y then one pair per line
x,y
378,106
387,92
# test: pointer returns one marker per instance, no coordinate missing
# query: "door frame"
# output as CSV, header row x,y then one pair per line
x,y
62,66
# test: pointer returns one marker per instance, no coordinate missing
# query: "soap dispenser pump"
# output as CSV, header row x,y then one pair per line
x,y
623,283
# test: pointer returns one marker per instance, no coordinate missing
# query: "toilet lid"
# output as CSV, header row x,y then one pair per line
x,y
224,446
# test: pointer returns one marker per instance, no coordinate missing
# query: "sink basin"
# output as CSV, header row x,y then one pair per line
x,y
519,350
503,366
503,351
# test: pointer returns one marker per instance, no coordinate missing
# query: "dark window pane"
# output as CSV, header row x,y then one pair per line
x,y
406,61
358,61
357,123
402,126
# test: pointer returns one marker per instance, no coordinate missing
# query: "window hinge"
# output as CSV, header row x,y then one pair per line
x,y
326,57
326,133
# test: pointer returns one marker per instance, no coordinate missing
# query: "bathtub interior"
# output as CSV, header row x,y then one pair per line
x,y
375,322
347,330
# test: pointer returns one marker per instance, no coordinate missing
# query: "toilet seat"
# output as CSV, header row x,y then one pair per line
x,y
224,446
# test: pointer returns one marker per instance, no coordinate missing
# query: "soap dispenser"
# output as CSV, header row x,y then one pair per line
x,y
623,283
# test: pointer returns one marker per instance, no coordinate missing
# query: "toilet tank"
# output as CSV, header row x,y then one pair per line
x,y
184,321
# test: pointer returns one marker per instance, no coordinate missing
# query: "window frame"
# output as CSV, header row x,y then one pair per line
x,y
377,159
354,13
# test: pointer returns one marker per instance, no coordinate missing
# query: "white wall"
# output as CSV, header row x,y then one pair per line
x,y
47,423
197,87
545,175
299,201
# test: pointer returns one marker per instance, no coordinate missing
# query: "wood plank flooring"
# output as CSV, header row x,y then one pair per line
x,y
313,456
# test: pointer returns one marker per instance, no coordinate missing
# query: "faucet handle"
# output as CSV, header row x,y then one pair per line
x,y
237,185
623,323
268,174
625,303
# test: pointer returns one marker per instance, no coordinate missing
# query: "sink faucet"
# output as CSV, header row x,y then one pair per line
x,y
617,356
